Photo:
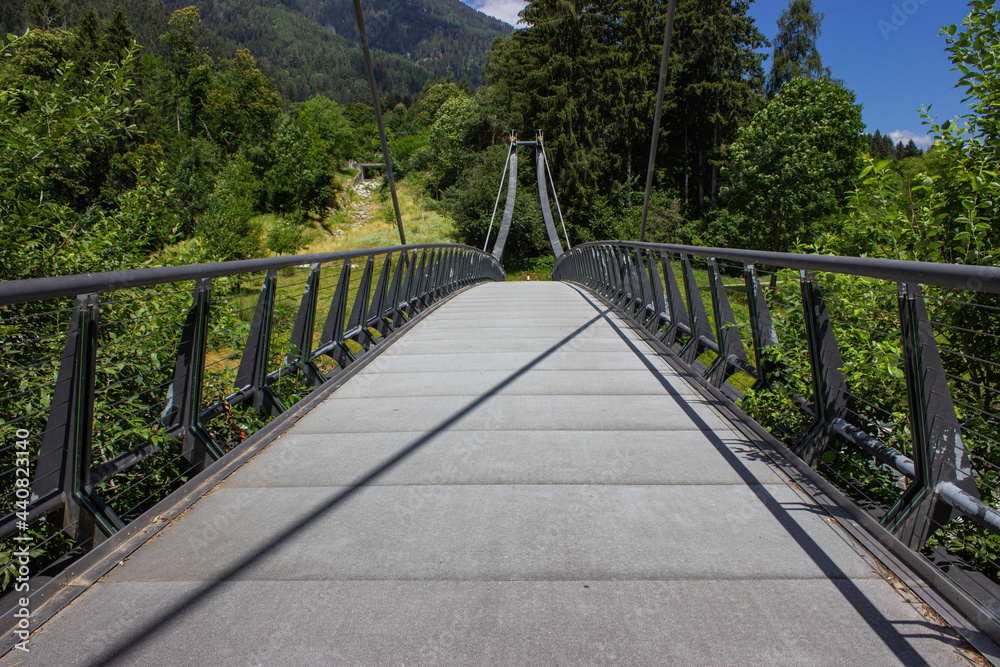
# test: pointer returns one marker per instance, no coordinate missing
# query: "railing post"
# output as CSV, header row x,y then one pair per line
x,y
593,268
357,325
301,341
939,452
679,320
403,309
644,305
376,311
624,283
635,303
732,356
761,327
252,373
182,415
661,316
701,330
830,393
64,460
417,285
433,277
331,341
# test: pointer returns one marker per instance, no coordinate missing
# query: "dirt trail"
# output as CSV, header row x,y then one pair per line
x,y
362,206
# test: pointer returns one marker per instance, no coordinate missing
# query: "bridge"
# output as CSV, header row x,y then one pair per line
x,y
449,468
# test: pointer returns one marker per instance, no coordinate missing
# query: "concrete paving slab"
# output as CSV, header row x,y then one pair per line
x,y
464,332
508,457
501,623
498,532
386,384
499,343
565,357
505,412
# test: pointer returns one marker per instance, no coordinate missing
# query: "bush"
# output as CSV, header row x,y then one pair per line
x,y
226,227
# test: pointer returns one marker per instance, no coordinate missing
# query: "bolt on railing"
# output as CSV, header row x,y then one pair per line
x,y
117,388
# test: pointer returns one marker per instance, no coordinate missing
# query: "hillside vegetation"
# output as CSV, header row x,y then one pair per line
x,y
309,47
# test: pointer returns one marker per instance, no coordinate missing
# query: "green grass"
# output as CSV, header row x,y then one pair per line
x,y
421,224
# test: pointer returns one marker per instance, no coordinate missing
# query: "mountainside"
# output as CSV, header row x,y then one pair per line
x,y
310,46
444,36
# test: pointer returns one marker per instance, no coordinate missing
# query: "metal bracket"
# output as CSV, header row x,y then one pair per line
x,y
679,320
640,273
417,286
939,453
701,330
64,460
252,373
301,340
831,398
732,355
331,341
401,307
376,311
761,327
357,329
182,415
661,315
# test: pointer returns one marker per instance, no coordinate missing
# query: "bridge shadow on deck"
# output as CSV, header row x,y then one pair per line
x,y
883,627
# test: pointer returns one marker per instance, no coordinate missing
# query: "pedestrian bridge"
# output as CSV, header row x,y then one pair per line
x,y
514,473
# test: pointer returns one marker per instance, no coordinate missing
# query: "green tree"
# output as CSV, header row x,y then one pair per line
x,y
242,103
117,35
50,136
795,162
716,80
449,138
309,147
190,68
975,51
795,53
46,14
226,228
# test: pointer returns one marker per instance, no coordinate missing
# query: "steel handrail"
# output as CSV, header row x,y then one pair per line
x,y
941,482
54,287
960,276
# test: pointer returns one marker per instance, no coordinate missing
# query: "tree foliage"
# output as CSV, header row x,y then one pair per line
x,y
794,163
795,53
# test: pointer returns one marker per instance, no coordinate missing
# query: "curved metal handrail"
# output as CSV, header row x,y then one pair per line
x,y
655,286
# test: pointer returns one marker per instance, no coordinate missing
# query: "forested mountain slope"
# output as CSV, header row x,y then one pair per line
x,y
444,36
309,46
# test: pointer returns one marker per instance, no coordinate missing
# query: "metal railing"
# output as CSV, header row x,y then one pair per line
x,y
116,388
882,375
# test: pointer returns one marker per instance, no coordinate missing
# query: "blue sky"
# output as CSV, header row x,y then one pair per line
x,y
887,51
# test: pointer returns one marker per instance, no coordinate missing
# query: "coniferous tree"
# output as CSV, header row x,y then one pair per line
x,y
911,150
717,78
12,17
117,35
46,14
795,53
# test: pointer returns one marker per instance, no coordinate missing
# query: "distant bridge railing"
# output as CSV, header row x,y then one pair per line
x,y
116,388
882,375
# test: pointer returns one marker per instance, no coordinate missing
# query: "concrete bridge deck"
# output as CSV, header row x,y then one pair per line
x,y
518,480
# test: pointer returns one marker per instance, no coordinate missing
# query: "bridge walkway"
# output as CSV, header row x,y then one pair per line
x,y
518,480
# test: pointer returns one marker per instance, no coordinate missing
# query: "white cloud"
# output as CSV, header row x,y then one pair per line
x,y
922,140
505,10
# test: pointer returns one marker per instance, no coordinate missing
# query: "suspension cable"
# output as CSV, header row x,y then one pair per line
x,y
664,71
378,117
